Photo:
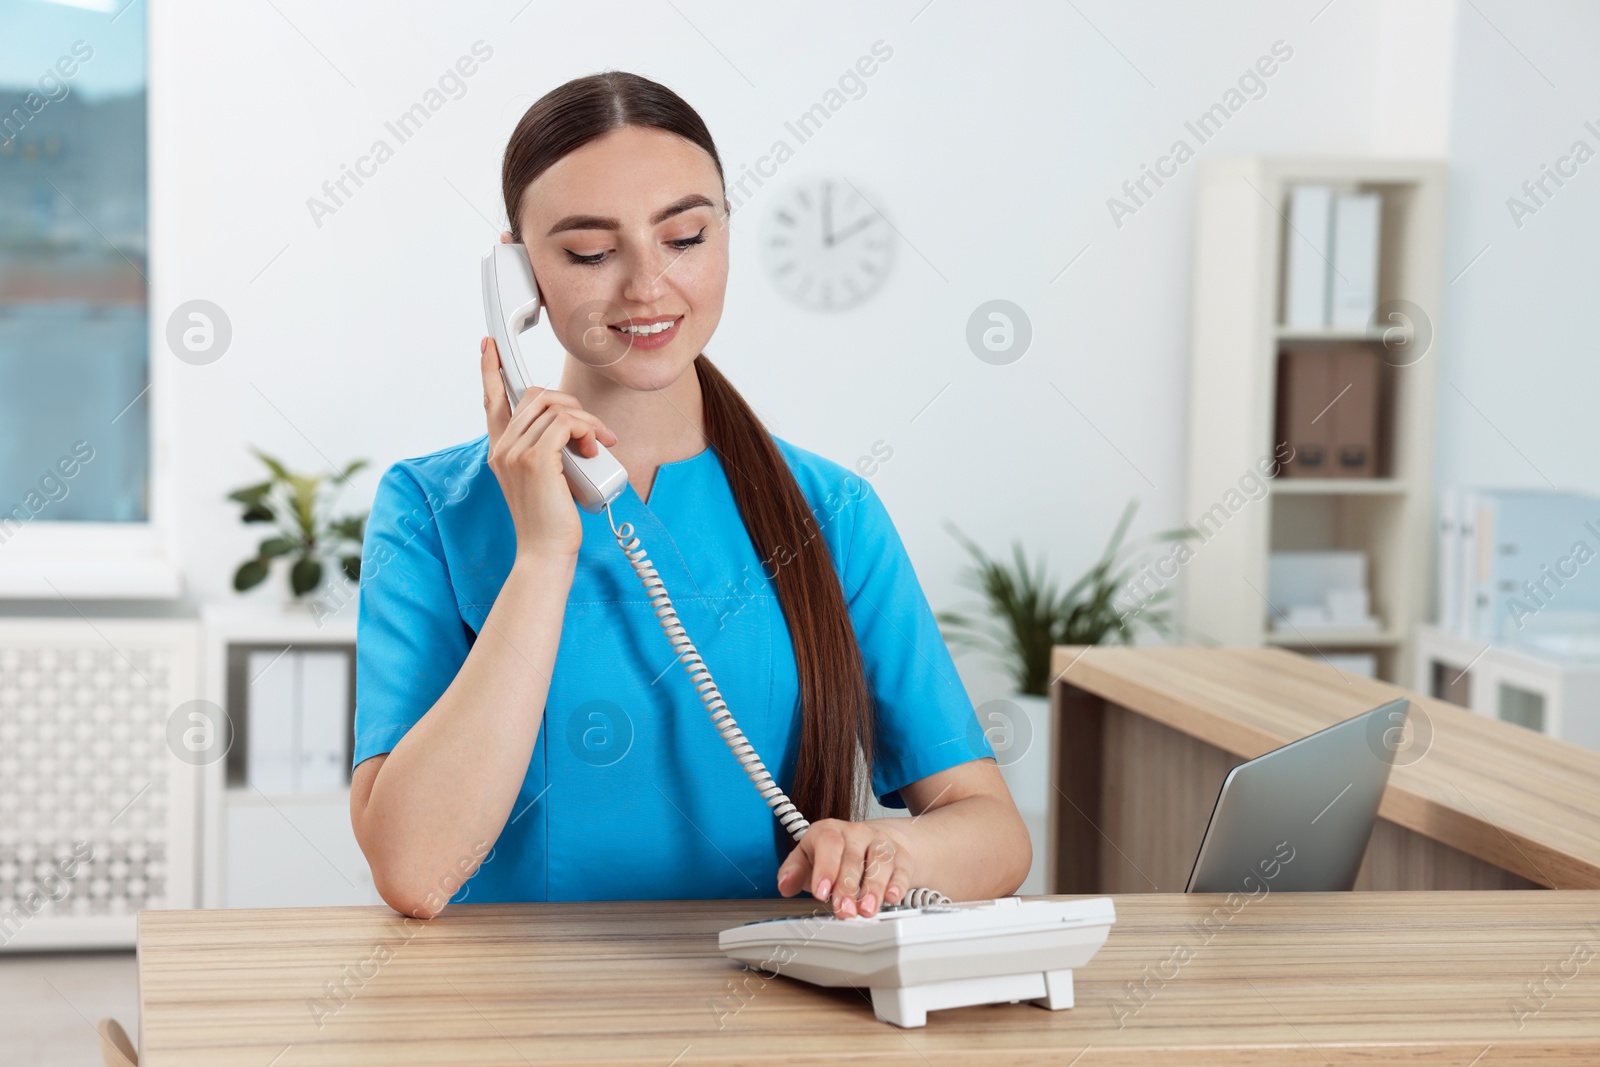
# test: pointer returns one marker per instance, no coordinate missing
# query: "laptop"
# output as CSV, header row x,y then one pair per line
x,y
1298,818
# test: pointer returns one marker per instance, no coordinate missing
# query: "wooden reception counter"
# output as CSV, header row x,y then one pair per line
x,y
1145,736
1184,980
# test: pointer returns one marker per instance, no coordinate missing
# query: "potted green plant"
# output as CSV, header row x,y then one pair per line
x,y
1024,616
307,534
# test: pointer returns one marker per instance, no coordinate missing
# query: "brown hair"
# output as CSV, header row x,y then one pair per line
x,y
836,706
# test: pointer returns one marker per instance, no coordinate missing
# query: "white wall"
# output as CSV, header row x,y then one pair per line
x,y
992,139
1519,375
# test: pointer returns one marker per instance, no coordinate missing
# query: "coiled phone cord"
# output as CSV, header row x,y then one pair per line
x,y
782,807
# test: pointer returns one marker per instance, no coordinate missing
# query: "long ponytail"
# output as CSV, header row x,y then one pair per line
x,y
837,708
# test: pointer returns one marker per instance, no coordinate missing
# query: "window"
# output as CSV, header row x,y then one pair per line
x,y
76,479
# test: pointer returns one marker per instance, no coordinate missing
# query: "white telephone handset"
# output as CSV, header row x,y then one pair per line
x,y
511,303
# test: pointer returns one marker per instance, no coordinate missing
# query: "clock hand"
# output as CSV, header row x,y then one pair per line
x,y
853,229
827,216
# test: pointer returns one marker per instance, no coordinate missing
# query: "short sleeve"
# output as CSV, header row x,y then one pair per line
x,y
410,640
926,721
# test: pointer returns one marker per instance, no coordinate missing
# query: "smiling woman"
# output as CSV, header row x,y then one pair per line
x,y
512,683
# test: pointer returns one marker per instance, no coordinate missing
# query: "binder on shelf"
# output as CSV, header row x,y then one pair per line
x,y
1468,565
298,721
1524,560
325,721
1480,622
1306,272
1354,452
1305,388
1543,542
1353,284
271,722
1447,560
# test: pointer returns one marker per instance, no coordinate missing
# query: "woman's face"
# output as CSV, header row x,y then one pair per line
x,y
630,227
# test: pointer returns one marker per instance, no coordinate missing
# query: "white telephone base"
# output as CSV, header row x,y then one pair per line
x,y
917,960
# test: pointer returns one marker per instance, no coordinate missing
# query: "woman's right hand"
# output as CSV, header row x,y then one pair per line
x,y
525,455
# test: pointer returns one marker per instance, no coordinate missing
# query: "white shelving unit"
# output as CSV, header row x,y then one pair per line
x,y
1240,242
272,849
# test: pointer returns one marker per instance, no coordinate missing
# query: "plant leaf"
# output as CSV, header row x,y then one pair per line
x,y
352,567
251,495
351,528
251,573
306,575
277,469
273,547
305,502
259,513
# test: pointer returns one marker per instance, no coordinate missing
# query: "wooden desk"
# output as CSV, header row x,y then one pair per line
x,y
1145,737
1344,978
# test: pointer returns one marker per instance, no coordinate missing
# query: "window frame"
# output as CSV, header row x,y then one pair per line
x,y
50,560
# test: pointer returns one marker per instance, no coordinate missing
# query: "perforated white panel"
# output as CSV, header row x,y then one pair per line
x,y
96,812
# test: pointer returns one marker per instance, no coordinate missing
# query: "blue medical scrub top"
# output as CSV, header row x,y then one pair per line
x,y
630,793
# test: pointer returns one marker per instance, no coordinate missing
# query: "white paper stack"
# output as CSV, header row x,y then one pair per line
x,y
1319,590
1364,664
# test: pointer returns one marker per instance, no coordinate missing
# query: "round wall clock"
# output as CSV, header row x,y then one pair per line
x,y
825,245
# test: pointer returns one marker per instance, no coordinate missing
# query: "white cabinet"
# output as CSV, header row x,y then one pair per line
x,y
291,852
276,811
1560,698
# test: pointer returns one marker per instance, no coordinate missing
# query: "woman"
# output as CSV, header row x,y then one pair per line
x,y
523,731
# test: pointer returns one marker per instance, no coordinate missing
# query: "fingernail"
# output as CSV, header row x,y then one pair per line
x,y
849,906
893,894
823,887
483,346
868,903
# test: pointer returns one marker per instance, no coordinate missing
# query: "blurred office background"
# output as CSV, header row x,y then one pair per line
x,y
1074,313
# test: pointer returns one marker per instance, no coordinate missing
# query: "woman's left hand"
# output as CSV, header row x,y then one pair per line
x,y
855,866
